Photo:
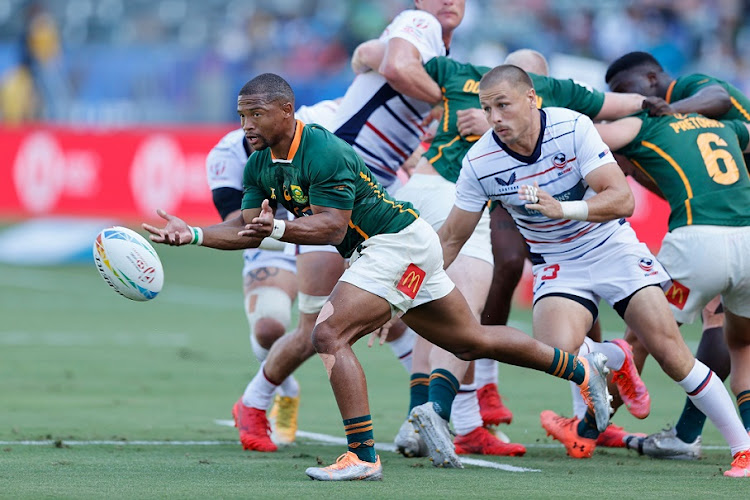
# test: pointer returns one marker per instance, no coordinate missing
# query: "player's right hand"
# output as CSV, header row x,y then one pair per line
x,y
175,233
657,106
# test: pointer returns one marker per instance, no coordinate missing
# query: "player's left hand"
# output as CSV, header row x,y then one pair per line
x,y
382,332
175,233
540,200
471,122
262,225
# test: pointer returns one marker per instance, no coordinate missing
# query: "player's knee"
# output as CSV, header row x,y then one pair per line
x,y
268,311
325,339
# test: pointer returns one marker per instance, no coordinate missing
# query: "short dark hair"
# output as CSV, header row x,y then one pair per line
x,y
506,72
629,61
272,86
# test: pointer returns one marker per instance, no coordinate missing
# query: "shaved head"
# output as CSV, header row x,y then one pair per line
x,y
529,60
510,73
271,87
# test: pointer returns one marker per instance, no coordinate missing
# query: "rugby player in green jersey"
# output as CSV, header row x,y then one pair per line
x,y
697,164
695,93
396,267
461,124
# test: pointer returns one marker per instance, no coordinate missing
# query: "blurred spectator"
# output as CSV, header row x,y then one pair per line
x,y
41,52
127,60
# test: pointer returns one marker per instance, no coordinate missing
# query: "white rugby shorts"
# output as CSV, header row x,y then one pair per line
x,y
404,268
434,196
706,261
613,271
255,258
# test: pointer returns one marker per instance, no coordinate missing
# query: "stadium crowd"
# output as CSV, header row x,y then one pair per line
x,y
122,61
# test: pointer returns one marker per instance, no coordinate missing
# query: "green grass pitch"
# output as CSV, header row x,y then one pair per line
x,y
79,364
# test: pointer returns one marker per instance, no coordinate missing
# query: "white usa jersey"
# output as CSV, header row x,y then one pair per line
x,y
225,164
568,150
381,124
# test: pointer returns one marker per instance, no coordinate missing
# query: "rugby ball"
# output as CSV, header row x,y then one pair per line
x,y
128,263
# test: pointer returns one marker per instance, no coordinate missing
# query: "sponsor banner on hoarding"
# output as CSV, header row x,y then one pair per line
x,y
120,173
128,173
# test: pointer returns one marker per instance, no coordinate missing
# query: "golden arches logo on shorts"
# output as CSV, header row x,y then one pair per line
x,y
411,281
677,294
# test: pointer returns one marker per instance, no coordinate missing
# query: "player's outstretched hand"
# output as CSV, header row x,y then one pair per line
x,y
657,106
175,233
471,122
540,200
262,225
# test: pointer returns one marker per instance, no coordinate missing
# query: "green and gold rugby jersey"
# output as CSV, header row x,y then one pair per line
x,y
460,85
697,164
323,170
688,85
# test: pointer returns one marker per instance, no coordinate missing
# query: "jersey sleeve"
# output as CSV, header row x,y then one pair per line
x,y
332,179
253,195
688,85
439,68
470,195
224,167
579,97
421,29
591,152
740,129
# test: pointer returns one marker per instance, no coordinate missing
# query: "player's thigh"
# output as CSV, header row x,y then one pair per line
x,y
318,272
561,321
447,322
648,314
349,313
472,277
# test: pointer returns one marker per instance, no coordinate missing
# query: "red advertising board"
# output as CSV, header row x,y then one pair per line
x,y
121,173
128,173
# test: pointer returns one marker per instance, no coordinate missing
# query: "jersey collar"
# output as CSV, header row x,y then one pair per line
x,y
537,150
668,97
295,144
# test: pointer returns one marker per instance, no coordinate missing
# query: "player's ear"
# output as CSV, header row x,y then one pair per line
x,y
288,108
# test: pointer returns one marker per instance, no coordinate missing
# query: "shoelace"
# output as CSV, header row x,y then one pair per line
x,y
626,383
259,420
742,460
343,461
492,398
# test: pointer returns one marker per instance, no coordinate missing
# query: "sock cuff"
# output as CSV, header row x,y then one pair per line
x,y
419,379
440,374
743,397
467,388
697,380
348,422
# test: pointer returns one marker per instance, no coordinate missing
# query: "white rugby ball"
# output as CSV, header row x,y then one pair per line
x,y
128,263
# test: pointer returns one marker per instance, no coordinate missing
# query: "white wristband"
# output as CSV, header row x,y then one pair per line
x,y
279,226
197,235
575,210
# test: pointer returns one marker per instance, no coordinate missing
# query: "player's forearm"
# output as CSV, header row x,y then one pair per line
x,y
368,56
619,105
611,203
713,102
410,78
317,229
224,237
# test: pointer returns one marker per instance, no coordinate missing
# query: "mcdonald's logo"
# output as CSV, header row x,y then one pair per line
x,y
677,294
411,281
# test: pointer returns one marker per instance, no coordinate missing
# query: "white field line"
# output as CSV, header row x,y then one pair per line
x,y
339,441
